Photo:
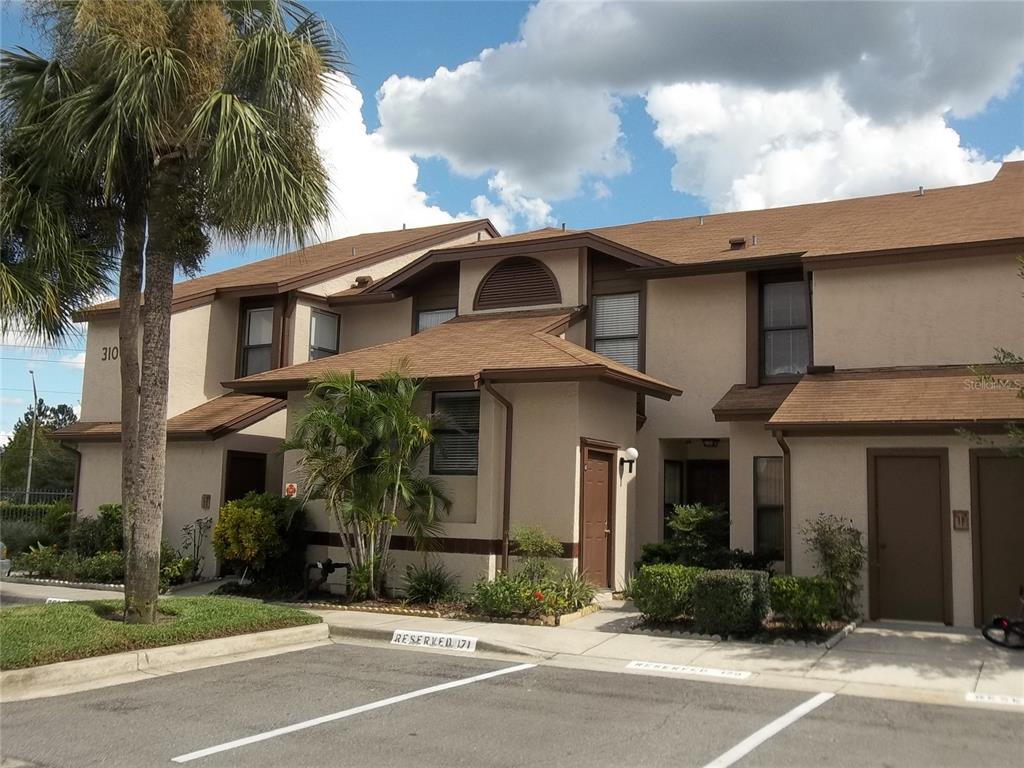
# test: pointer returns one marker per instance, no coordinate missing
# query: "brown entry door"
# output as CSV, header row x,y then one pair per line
x,y
595,555
245,472
910,541
999,534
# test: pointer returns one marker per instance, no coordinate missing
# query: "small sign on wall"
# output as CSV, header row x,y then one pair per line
x,y
291,490
961,520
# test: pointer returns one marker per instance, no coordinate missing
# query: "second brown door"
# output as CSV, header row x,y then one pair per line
x,y
596,522
910,541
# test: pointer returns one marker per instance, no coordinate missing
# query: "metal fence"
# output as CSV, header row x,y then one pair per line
x,y
15,496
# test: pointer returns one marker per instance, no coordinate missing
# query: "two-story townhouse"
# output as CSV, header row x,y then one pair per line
x,y
261,316
821,354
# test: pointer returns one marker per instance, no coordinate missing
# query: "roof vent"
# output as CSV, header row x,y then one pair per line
x,y
753,239
563,226
920,191
362,280
735,243
700,219
353,250
403,225
479,236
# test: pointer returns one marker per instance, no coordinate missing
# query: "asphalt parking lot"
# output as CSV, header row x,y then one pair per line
x,y
345,705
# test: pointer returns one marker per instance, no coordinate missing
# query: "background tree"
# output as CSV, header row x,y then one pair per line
x,y
184,120
362,448
53,467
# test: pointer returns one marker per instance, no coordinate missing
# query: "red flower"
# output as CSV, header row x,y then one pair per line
x,y
538,595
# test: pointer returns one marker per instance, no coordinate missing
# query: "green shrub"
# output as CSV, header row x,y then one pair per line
x,y
34,513
805,602
19,535
730,602
429,584
576,590
536,549
101,568
103,533
246,533
505,595
839,547
664,592
40,560
57,523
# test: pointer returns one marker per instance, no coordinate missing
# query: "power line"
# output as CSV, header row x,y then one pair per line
x,y
43,360
51,391
45,349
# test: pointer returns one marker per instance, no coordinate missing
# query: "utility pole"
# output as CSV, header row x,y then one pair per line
x,y
32,439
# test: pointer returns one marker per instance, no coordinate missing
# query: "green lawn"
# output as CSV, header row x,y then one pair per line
x,y
42,634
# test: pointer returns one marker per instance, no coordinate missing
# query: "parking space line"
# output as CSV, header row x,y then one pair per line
x,y
754,740
229,745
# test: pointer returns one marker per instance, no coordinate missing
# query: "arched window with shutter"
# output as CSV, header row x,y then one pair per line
x,y
517,282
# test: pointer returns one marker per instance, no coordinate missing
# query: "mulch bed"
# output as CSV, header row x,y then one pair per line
x,y
771,633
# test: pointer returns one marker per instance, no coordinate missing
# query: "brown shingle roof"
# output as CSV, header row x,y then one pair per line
x,y
313,263
912,398
972,213
507,346
213,419
743,403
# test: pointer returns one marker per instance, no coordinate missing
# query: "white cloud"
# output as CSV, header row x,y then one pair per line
x,y
543,110
1017,153
373,186
601,190
743,148
513,207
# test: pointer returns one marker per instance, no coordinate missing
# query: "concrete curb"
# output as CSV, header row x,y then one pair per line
x,y
60,583
384,635
100,671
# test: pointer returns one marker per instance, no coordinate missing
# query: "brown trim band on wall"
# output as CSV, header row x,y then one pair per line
x,y
874,570
448,546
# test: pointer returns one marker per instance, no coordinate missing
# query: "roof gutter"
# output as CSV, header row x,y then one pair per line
x,y
506,490
787,502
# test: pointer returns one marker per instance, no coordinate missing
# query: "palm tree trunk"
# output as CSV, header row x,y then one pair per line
x,y
129,290
142,585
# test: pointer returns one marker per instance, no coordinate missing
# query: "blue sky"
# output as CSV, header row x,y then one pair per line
x,y
595,115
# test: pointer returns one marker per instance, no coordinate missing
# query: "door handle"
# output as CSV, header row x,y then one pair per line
x,y
607,531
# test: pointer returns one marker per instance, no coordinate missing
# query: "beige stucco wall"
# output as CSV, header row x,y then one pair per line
x,y
696,340
365,325
830,476
951,311
101,379
747,440
563,263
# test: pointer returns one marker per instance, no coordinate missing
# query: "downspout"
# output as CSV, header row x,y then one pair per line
x,y
787,501
506,502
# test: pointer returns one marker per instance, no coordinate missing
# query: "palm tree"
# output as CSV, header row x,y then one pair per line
x,y
189,120
361,453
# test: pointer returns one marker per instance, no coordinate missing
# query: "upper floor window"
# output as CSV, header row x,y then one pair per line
x,y
517,282
455,450
257,340
323,334
428,318
785,342
617,327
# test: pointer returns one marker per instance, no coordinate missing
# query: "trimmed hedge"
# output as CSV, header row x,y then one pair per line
x,y
664,592
806,602
730,602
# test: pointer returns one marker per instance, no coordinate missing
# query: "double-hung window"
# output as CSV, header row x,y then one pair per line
x,y
617,327
428,318
455,450
257,340
323,334
768,505
785,344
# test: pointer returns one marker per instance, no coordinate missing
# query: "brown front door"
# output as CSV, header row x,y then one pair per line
x,y
909,535
998,491
244,472
596,524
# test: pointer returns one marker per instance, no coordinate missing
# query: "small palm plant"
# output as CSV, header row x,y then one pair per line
x,y
361,453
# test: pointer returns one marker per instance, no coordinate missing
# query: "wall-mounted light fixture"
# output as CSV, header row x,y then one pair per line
x,y
710,442
632,454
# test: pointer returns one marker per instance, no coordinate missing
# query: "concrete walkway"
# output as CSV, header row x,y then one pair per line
x,y
907,662
19,593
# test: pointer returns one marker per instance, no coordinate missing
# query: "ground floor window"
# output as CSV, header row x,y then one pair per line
x,y
455,450
768,503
